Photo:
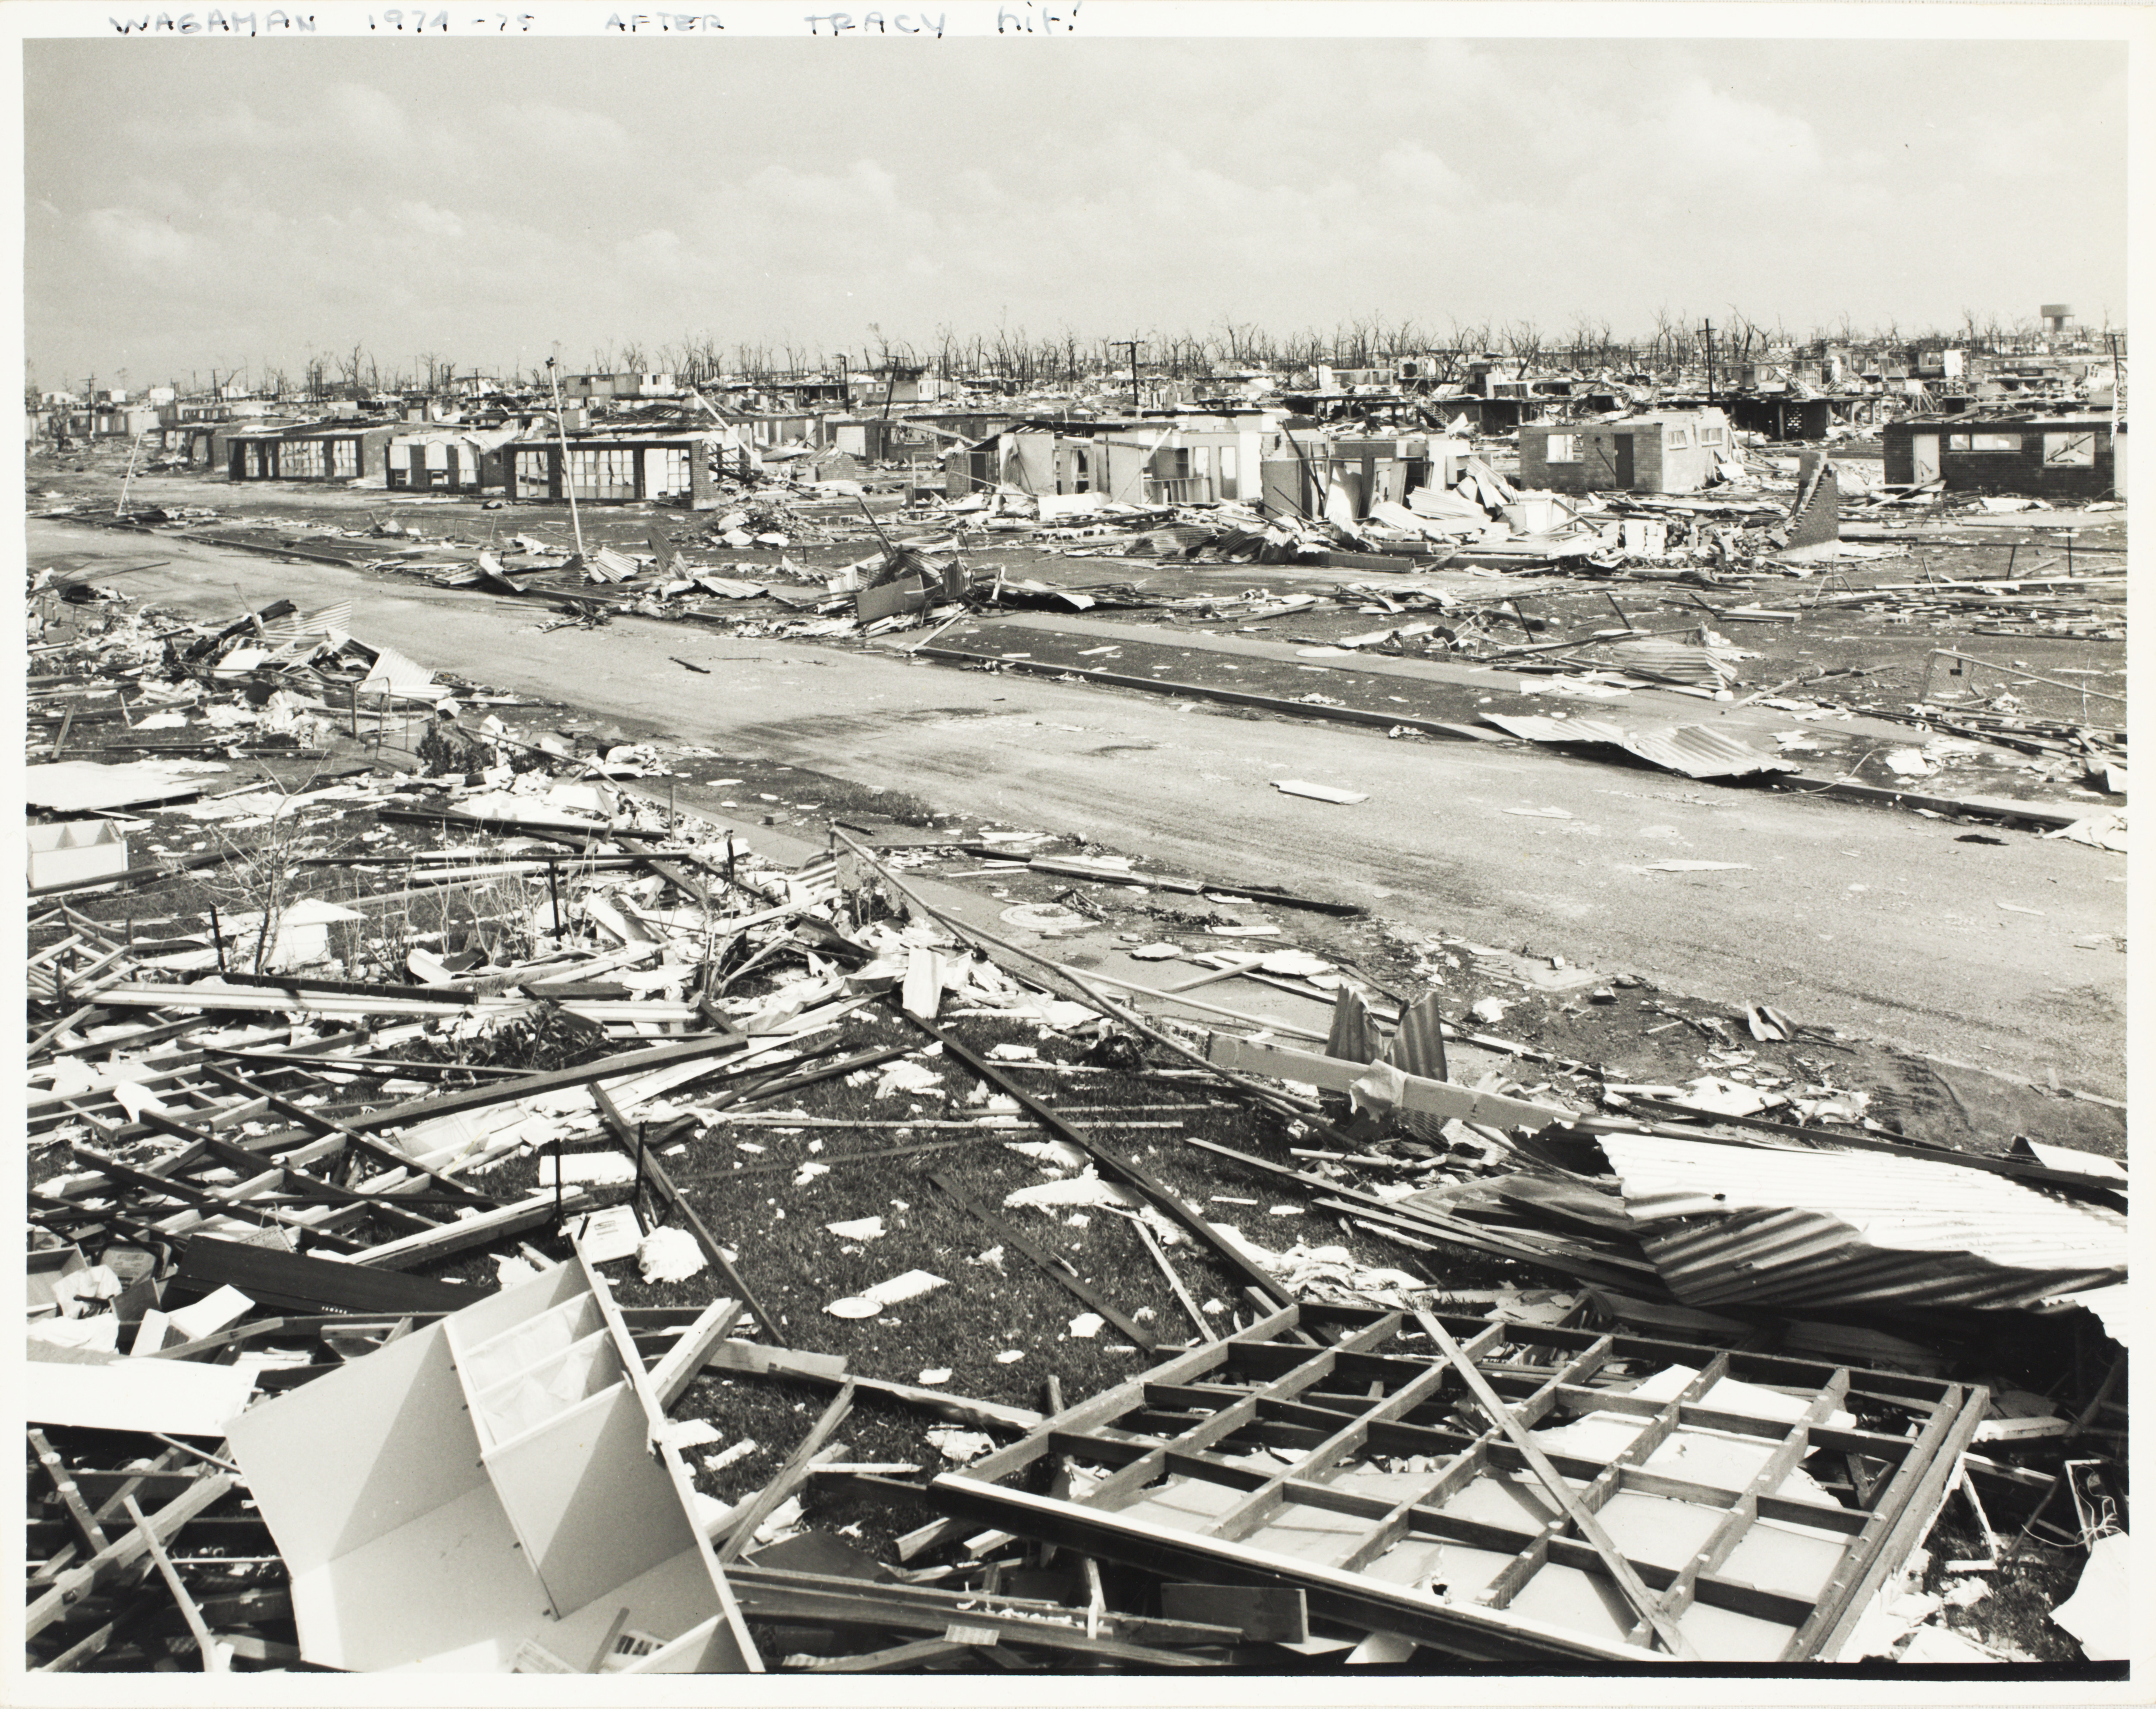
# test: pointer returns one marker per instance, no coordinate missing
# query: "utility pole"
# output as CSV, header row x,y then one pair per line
x,y
569,475
1131,346
1710,361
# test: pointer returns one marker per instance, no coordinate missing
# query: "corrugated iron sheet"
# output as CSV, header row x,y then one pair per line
x,y
1418,1048
1692,750
2112,1306
1698,751
1675,661
1764,1227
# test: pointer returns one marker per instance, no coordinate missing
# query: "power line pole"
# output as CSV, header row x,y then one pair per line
x,y
1132,345
1709,325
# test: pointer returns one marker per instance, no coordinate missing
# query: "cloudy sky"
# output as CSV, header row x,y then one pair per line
x,y
192,203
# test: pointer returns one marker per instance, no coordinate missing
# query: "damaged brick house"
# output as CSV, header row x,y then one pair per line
x,y
2062,457
1671,451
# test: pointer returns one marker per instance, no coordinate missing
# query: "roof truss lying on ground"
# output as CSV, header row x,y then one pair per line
x,y
1520,1494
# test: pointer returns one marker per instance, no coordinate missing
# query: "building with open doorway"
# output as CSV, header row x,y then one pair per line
x,y
2066,459
615,469
1671,450
1184,460
315,451
456,459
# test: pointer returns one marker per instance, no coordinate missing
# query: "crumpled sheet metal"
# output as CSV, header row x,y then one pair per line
x,y
1675,661
1756,1226
1692,750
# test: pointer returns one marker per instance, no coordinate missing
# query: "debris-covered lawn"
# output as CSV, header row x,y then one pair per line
x,y
395,1044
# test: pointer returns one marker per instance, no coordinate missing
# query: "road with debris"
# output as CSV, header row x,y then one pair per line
x,y
1879,922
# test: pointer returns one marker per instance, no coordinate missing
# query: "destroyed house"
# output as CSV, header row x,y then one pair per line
x,y
1780,415
1671,451
614,469
598,388
316,451
897,383
125,421
787,393
766,428
456,459
2061,457
1306,476
1190,459
871,438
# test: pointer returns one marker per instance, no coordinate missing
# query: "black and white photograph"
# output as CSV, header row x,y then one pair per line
x,y
1276,844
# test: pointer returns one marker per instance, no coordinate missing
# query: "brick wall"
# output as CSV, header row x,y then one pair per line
x,y
2022,473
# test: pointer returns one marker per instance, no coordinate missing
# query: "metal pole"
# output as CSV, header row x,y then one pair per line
x,y
1709,325
569,479
121,509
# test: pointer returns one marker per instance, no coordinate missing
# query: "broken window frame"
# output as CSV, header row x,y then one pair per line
x,y
1984,445
2070,450
1181,1419
1562,447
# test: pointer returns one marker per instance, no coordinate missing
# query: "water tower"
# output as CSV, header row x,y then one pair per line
x,y
2055,316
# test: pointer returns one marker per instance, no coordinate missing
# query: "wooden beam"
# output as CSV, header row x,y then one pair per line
x,y
625,1137
204,1643
509,1092
1277,1613
1206,1331
1055,1269
71,1587
685,1361
1738,1521
1125,1168
1896,1525
1619,1568
71,1496
791,1475
1417,1096
317,1122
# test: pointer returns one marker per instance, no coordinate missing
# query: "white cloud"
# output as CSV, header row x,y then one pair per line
x,y
659,252
134,238
361,115
434,222
559,132
1709,133
1414,171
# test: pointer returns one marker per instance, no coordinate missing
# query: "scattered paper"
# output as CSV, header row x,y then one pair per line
x,y
670,1254
860,1228
721,1460
1087,1325
909,1285
2100,1612
690,1433
958,1444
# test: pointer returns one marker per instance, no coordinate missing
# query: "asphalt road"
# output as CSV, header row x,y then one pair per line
x,y
1878,921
